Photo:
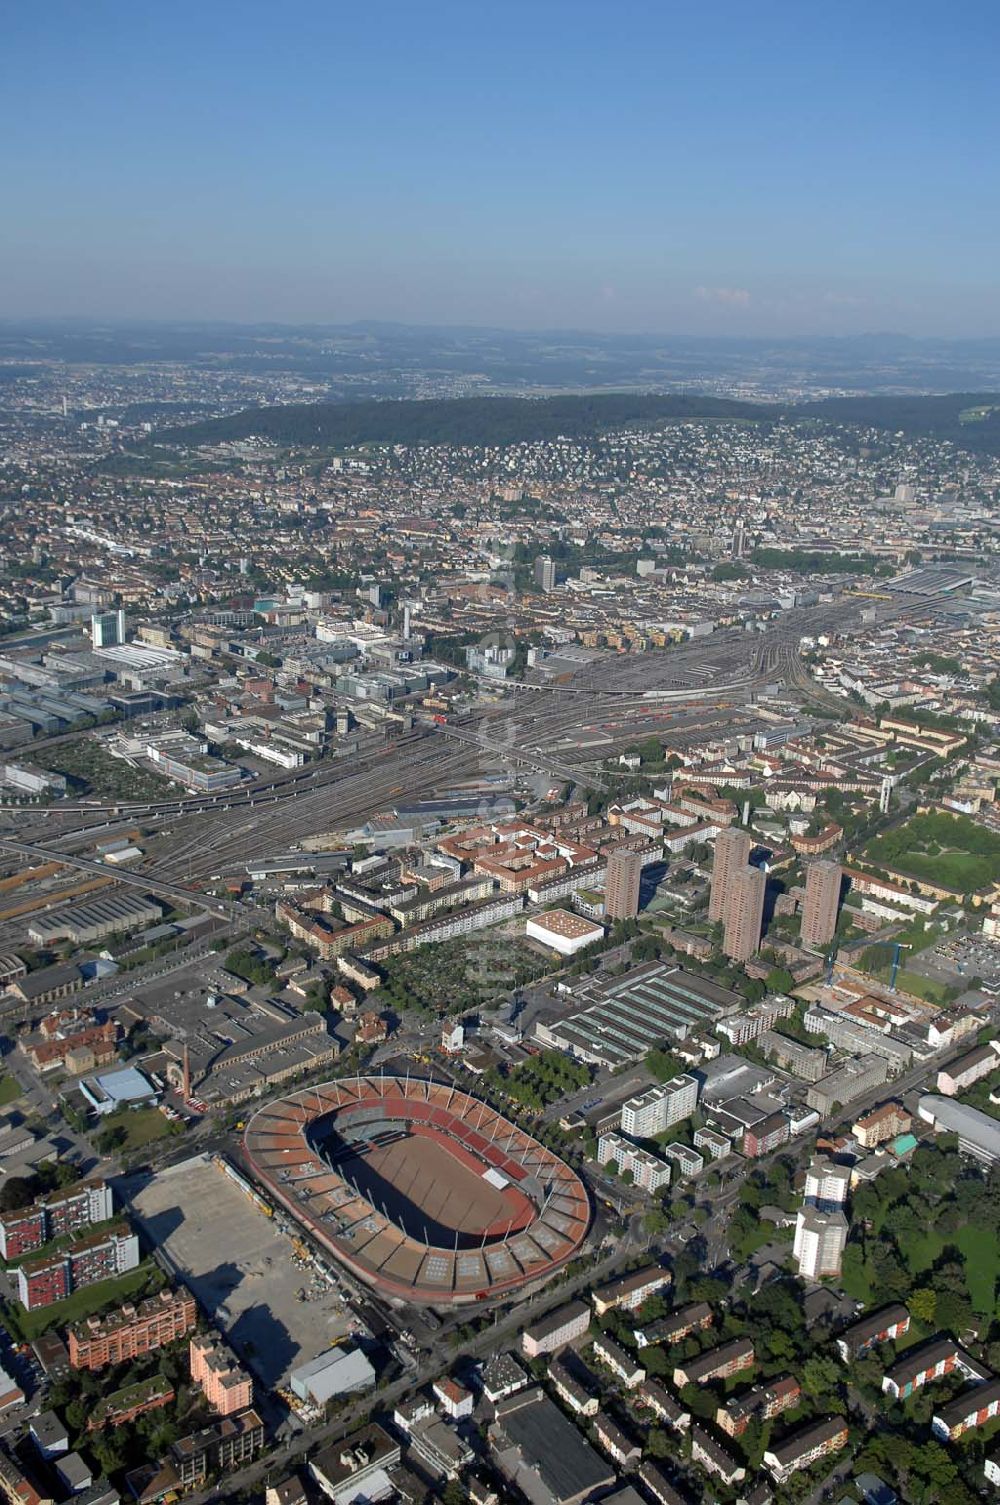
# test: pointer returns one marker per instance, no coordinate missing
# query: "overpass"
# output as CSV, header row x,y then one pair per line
x,y
511,753
224,908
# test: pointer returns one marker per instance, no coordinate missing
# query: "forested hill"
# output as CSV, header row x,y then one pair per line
x,y
457,420
968,419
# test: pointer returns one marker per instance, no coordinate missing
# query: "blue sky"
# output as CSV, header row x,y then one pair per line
x,y
733,168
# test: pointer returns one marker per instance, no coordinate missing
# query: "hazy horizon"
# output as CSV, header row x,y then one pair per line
x,y
559,168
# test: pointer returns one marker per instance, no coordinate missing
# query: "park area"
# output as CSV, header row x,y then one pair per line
x,y
950,850
10,1090
928,1235
457,976
132,1129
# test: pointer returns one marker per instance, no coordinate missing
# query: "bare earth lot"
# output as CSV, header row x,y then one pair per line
x,y
240,1267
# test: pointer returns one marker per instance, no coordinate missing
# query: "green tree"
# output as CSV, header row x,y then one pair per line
x,y
923,1305
15,1193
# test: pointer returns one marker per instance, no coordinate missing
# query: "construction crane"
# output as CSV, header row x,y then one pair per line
x,y
897,948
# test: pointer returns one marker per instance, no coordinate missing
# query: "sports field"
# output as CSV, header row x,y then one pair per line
x,y
422,1183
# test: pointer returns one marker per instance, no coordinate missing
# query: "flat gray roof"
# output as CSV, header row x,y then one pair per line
x,y
549,1443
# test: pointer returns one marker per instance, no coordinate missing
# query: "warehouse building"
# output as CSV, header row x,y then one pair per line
x,y
978,1133
564,932
86,923
543,1454
617,1023
338,1371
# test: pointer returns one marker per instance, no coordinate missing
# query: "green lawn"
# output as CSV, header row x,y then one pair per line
x,y
982,1266
10,1090
921,1253
30,1325
924,987
142,1126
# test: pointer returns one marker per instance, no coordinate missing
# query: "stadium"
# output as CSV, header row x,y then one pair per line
x,y
424,1192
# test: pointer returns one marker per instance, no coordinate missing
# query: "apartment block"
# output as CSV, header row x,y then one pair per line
x,y
752,1023
881,1124
621,1363
658,1108
225,1383
571,1391
733,847
970,1068
60,1212
761,1403
553,1332
616,1442
826,1185
659,1488
820,1238
808,1062
226,1444
132,1330
42,1282
766,1136
931,1361
647,1171
882,1326
686,1161
22,1232
693,1317
849,1081
805,1447
93,1258
714,1457
719,1363
821,902
973,1408
744,916
622,884
664,1406
715,1146
631,1291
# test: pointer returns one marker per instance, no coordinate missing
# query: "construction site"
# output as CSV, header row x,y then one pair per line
x,y
244,1265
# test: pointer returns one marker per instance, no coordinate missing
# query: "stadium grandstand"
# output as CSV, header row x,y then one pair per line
x,y
426,1193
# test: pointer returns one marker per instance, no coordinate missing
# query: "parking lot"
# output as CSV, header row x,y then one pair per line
x,y
958,960
243,1270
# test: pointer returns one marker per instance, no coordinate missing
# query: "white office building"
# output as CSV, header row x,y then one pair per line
x,y
107,629
826,1185
819,1242
650,1112
647,1171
